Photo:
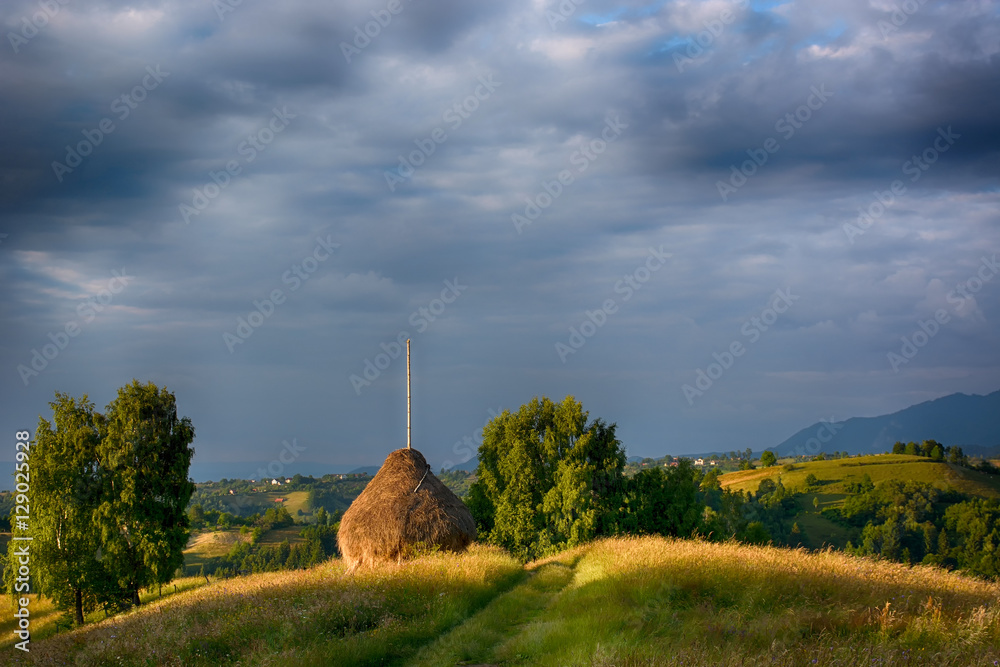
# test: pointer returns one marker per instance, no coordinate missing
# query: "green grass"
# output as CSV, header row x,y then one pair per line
x,y
816,530
641,601
313,617
836,474
44,616
654,601
294,501
206,545
276,536
487,637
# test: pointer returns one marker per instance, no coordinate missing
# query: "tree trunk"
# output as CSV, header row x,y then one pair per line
x,y
79,606
135,597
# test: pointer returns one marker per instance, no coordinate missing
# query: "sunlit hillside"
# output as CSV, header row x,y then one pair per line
x,y
835,474
641,601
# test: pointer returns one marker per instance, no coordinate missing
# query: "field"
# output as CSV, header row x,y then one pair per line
x,y
45,617
833,477
835,474
275,536
640,601
205,545
294,501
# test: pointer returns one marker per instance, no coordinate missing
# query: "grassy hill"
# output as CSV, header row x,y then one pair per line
x,y
646,601
834,475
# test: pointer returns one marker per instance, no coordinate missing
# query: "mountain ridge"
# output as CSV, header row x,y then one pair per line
x,y
970,421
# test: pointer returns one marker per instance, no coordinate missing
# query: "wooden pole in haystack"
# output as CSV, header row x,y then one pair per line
x,y
408,393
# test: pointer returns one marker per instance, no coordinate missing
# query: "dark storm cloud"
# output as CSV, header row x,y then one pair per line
x,y
275,141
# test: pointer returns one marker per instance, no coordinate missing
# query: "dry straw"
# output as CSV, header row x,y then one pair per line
x,y
403,509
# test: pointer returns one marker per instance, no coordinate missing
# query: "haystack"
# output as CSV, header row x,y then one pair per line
x,y
403,506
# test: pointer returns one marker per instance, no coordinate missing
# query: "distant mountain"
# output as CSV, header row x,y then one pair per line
x,y
468,466
972,422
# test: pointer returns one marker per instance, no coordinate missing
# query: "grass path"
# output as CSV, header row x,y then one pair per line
x,y
620,602
491,636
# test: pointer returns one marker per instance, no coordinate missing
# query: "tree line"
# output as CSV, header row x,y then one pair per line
x,y
916,522
549,479
107,499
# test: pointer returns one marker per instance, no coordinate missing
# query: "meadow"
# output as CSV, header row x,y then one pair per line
x,y
623,601
834,475
833,481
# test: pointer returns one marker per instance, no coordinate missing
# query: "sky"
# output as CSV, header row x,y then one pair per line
x,y
713,223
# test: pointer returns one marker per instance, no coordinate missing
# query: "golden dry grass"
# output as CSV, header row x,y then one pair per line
x,y
666,601
313,617
623,601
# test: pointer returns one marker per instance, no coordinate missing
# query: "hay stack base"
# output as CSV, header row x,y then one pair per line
x,y
404,506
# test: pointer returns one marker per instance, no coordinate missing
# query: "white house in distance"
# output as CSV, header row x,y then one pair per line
x,y
275,482
699,462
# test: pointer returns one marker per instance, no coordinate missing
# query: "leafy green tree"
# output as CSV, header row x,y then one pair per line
x,y
546,479
755,533
64,492
911,449
664,501
768,459
898,448
146,455
196,515
974,527
956,456
711,481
